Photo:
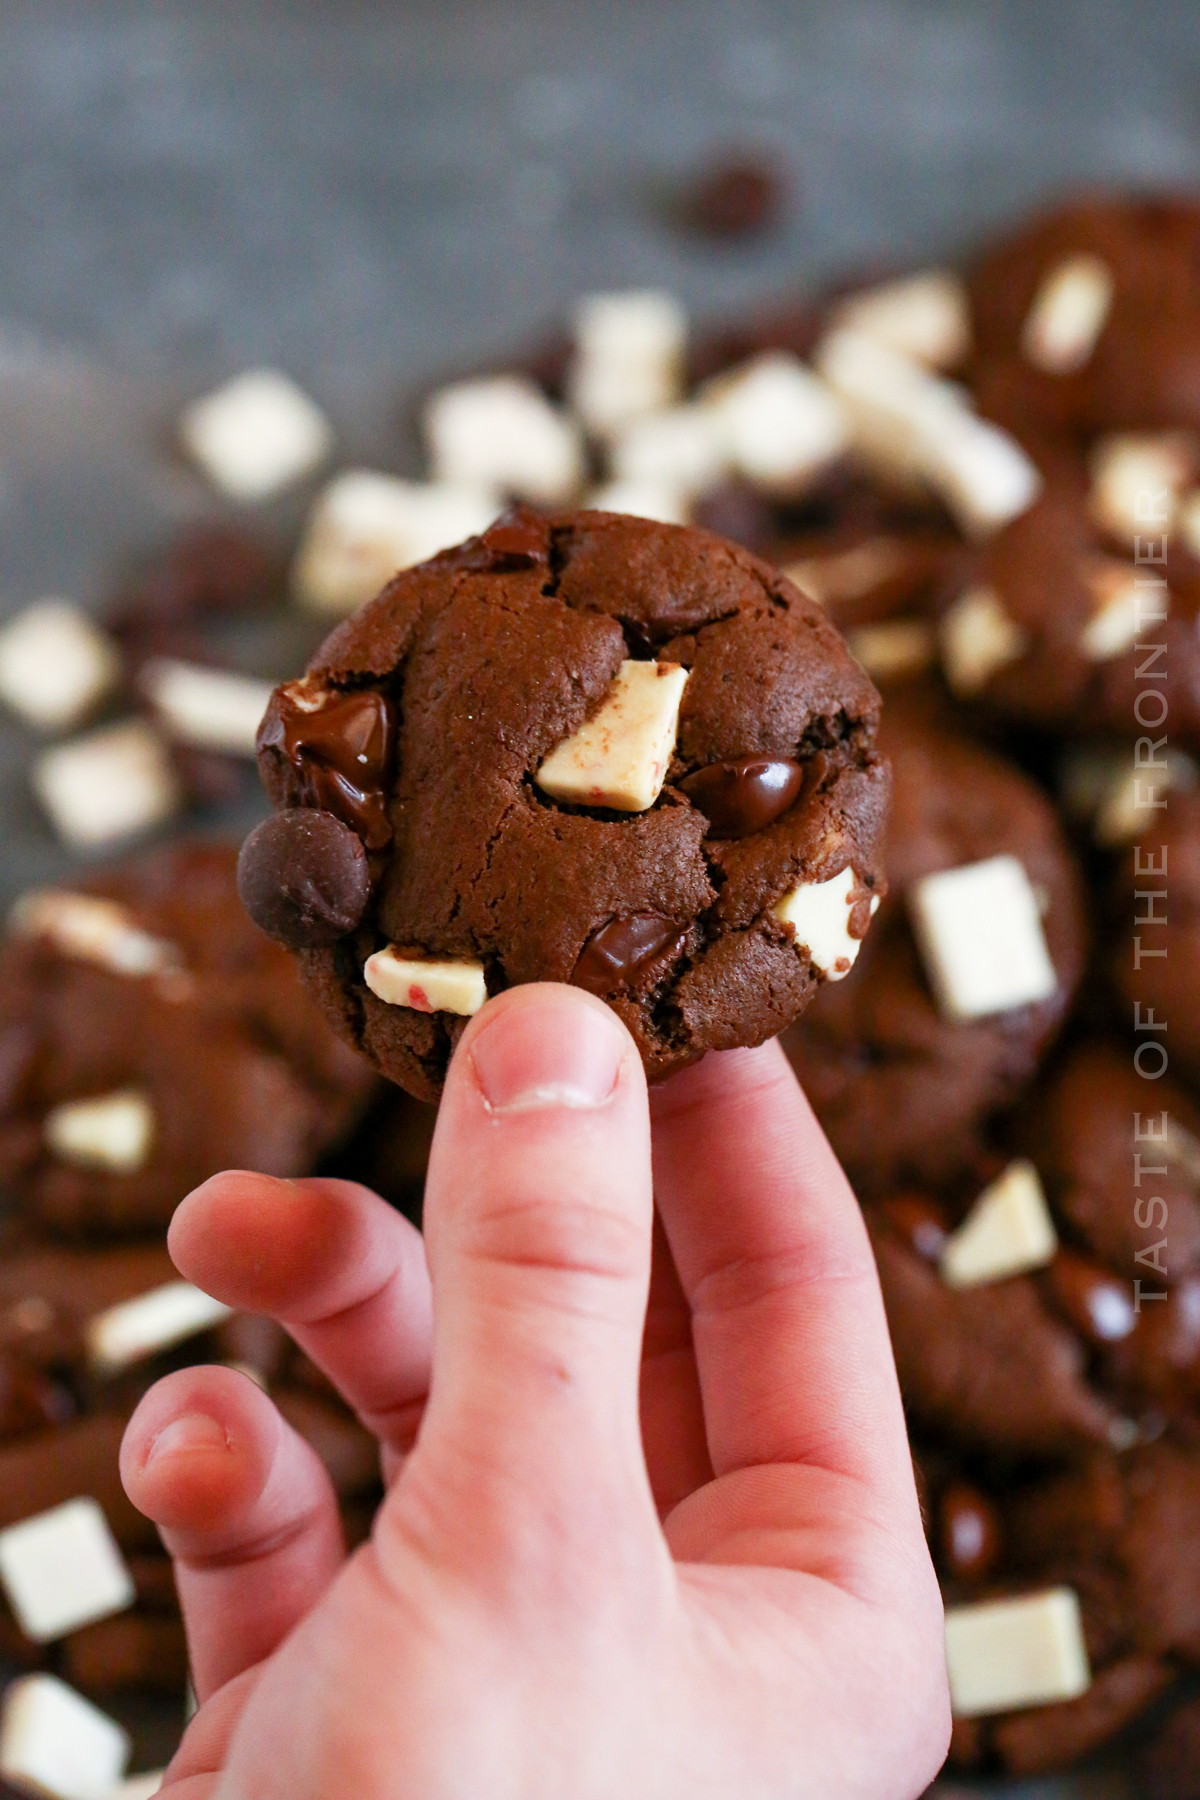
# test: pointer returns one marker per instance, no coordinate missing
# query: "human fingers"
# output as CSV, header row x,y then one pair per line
x,y
244,1507
672,1410
334,1263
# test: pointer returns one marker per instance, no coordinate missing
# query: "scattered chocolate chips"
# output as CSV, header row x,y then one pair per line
x,y
742,797
340,751
303,877
1099,1305
969,1534
620,951
737,198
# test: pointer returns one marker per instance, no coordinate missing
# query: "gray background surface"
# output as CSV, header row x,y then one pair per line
x,y
368,194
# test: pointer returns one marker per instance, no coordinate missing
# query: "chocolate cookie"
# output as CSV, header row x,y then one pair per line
x,y
1090,316
583,748
903,1087
149,1036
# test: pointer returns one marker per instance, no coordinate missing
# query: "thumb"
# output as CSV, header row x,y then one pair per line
x,y
538,1215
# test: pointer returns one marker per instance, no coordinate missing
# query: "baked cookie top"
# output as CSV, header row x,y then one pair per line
x,y
584,748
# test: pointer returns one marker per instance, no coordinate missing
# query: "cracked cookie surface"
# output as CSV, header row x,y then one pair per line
x,y
423,723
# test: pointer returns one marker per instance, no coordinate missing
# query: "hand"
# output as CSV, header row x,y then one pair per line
x,y
668,1549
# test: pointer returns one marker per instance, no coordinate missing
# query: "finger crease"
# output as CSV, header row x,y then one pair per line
x,y
255,1550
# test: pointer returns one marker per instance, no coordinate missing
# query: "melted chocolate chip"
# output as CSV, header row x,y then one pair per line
x,y
969,1533
519,539
745,795
1099,1305
341,753
919,1222
303,878
620,951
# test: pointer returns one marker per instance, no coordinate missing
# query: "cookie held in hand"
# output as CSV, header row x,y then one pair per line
x,y
584,748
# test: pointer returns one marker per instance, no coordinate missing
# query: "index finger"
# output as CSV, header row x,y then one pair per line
x,y
790,1335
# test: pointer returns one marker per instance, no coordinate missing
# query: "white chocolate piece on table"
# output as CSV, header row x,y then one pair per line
x,y
55,1743
112,1132
893,647
629,357
426,983
55,664
1008,1230
256,435
682,448
979,636
619,757
782,424
1005,1654
364,528
848,574
1067,315
1138,478
912,426
926,316
502,432
62,1570
132,1330
819,914
94,930
1114,624
643,499
108,785
980,936
211,709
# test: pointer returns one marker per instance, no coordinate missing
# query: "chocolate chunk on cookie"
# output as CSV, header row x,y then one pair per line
x,y
582,748
906,1063
150,1036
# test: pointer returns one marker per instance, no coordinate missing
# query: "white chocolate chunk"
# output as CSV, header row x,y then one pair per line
x,y
619,757
426,984
926,316
138,1787
92,930
819,914
849,574
365,527
911,426
682,449
134,1329
62,1570
981,938
1138,479
1067,315
1004,1654
108,785
892,648
642,500
979,636
502,432
113,1131
212,709
56,1744
781,423
257,434
1114,624
1129,798
55,664
1008,1230
629,358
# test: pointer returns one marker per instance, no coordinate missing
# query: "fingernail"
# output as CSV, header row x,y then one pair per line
x,y
563,1053
194,1431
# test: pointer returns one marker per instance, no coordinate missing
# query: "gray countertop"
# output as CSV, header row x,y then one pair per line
x,y
368,194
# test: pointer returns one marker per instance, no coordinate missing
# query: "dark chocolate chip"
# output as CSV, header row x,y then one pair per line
x,y
969,1532
340,752
919,1222
620,951
303,878
736,199
1098,1304
519,539
743,796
